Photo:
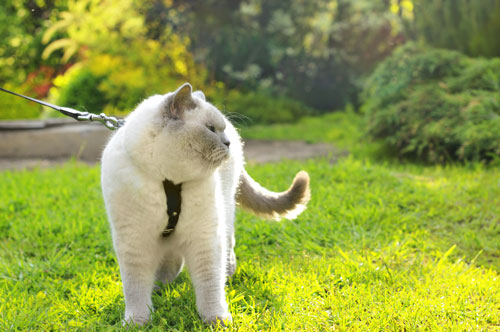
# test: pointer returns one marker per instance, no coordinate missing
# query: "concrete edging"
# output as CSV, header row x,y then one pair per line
x,y
52,139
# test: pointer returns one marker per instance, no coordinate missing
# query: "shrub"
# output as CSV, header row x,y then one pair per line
x,y
481,74
409,65
83,92
12,107
260,107
436,105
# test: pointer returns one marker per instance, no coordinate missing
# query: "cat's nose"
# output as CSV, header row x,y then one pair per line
x,y
225,140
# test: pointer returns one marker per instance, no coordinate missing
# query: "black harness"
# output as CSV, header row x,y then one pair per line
x,y
174,200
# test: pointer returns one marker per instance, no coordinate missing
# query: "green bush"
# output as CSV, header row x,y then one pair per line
x,y
83,93
410,65
12,107
435,105
260,107
479,75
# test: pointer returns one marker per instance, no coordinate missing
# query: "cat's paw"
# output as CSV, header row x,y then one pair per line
x,y
223,320
231,265
132,321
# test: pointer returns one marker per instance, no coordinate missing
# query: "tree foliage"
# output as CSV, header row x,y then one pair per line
x,y
114,60
314,51
468,26
22,23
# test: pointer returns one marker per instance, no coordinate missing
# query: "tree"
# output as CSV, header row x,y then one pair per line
x,y
314,51
468,26
22,23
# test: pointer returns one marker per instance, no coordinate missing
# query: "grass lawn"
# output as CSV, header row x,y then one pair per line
x,y
383,246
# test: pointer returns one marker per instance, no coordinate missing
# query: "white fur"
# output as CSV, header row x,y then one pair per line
x,y
181,137
153,146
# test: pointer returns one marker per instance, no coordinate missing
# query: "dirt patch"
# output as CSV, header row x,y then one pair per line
x,y
263,151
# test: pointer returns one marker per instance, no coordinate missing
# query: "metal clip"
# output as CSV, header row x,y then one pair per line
x,y
109,121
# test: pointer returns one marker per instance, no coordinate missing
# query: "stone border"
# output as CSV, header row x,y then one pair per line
x,y
52,139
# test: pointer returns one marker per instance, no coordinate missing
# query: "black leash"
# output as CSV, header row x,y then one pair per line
x,y
172,191
109,121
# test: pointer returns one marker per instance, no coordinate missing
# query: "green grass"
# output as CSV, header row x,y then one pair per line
x,y
382,247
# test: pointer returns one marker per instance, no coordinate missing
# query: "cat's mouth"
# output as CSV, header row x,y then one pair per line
x,y
217,156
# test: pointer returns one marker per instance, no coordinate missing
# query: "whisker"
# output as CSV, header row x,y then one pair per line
x,y
237,118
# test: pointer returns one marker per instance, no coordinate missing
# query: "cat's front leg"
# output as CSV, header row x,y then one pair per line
x,y
205,259
231,256
231,241
138,260
137,291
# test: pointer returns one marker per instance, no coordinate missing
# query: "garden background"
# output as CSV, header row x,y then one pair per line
x,y
402,232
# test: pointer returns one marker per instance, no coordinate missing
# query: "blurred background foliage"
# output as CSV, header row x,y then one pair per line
x,y
435,97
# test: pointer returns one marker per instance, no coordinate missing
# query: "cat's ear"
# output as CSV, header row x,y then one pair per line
x,y
181,100
199,94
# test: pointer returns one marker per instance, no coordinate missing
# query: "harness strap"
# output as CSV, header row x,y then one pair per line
x,y
174,200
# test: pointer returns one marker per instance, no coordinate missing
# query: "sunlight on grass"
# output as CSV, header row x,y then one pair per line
x,y
374,251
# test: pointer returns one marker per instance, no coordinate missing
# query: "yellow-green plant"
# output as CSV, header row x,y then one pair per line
x,y
118,62
89,23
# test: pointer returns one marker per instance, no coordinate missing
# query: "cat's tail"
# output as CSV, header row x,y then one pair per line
x,y
288,204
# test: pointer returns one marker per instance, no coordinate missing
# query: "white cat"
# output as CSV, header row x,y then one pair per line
x,y
181,137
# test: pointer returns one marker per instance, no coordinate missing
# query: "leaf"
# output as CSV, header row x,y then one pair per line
x,y
68,53
53,29
58,44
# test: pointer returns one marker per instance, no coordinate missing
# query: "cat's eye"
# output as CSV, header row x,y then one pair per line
x,y
211,128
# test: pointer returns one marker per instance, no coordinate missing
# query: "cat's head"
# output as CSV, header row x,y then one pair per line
x,y
179,135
